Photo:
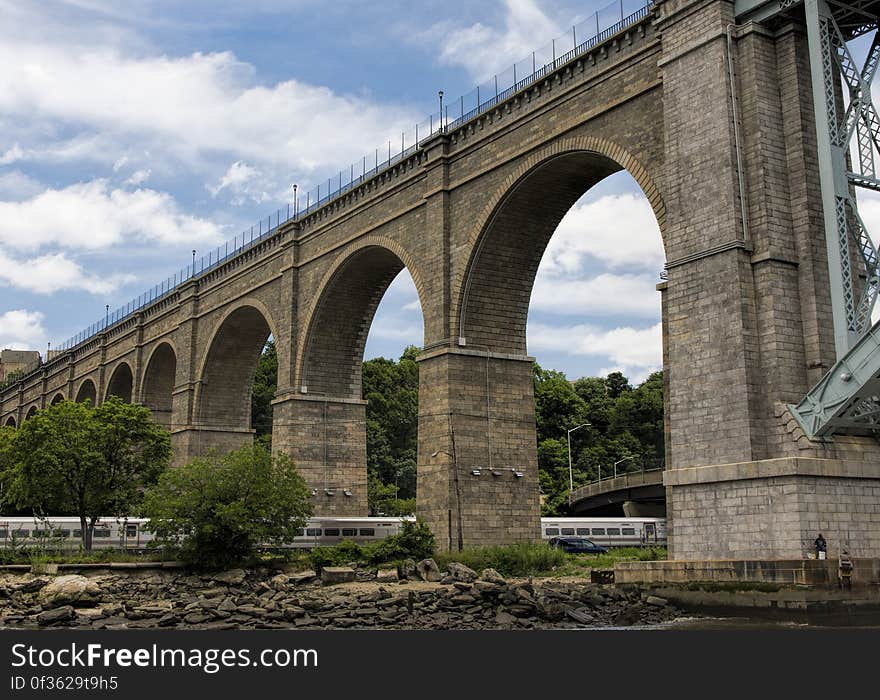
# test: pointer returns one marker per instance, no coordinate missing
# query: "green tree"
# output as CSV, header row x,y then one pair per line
x,y
219,509
265,384
91,462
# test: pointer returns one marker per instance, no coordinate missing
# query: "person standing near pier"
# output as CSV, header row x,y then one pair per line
x,y
821,547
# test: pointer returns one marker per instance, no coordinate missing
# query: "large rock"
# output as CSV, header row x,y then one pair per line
x,y
406,569
51,617
69,589
493,576
233,577
302,577
386,575
337,574
460,572
427,570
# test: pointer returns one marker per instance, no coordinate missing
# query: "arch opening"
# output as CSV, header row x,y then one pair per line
x,y
224,401
32,411
58,398
159,380
590,307
10,422
121,383
87,392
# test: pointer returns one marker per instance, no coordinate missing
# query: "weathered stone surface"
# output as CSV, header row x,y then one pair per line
x,y
460,572
233,577
656,601
427,570
56,615
492,576
72,588
337,574
386,576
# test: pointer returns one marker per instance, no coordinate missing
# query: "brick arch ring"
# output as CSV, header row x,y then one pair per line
x,y
582,144
112,373
341,259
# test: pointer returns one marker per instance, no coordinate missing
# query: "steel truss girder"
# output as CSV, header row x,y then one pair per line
x,y
847,399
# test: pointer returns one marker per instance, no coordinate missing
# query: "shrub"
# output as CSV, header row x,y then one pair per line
x,y
217,510
523,559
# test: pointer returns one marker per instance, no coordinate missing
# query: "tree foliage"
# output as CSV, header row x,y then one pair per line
x,y
262,393
71,458
219,509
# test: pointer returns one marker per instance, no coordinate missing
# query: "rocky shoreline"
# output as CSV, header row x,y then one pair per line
x,y
417,596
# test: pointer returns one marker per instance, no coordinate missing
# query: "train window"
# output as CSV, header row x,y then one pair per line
x,y
349,531
583,531
551,531
628,531
4,532
598,530
332,532
40,533
21,533
613,530
77,533
368,532
568,531
302,533
102,534
65,533
313,531
131,530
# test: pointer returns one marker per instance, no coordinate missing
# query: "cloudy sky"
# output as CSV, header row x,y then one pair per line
x,y
132,133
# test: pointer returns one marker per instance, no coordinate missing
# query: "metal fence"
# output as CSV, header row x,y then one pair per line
x,y
583,37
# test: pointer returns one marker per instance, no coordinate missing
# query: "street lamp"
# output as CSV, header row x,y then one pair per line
x,y
618,462
570,474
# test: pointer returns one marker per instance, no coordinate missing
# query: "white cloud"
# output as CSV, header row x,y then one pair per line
x,y
606,294
48,274
138,177
91,216
635,351
22,330
243,182
15,185
619,230
193,108
483,50
11,155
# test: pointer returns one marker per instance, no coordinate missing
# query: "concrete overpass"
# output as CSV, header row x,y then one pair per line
x,y
635,494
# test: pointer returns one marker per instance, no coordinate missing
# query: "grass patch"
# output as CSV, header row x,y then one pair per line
x,y
539,559
103,556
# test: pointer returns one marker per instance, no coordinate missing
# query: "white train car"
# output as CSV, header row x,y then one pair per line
x,y
608,532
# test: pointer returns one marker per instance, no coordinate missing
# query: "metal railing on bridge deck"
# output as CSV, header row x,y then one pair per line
x,y
582,38
650,468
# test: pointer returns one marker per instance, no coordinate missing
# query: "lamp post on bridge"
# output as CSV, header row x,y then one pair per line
x,y
618,462
570,472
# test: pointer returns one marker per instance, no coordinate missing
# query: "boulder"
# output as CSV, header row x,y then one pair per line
x,y
279,582
302,577
233,577
462,573
492,576
427,570
406,569
386,575
51,617
72,588
656,601
337,574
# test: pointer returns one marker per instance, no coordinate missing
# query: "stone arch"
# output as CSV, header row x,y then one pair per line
x,y
226,375
159,380
87,392
337,325
32,411
58,398
515,228
10,422
121,383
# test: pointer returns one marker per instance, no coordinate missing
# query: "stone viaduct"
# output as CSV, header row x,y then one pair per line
x,y
746,314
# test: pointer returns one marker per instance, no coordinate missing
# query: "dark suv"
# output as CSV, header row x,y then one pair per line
x,y
577,545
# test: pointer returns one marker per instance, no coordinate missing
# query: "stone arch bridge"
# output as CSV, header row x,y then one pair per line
x,y
747,323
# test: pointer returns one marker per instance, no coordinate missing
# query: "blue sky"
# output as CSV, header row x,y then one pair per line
x,y
132,133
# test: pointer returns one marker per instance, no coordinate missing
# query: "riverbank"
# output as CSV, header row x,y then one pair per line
x,y
262,598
